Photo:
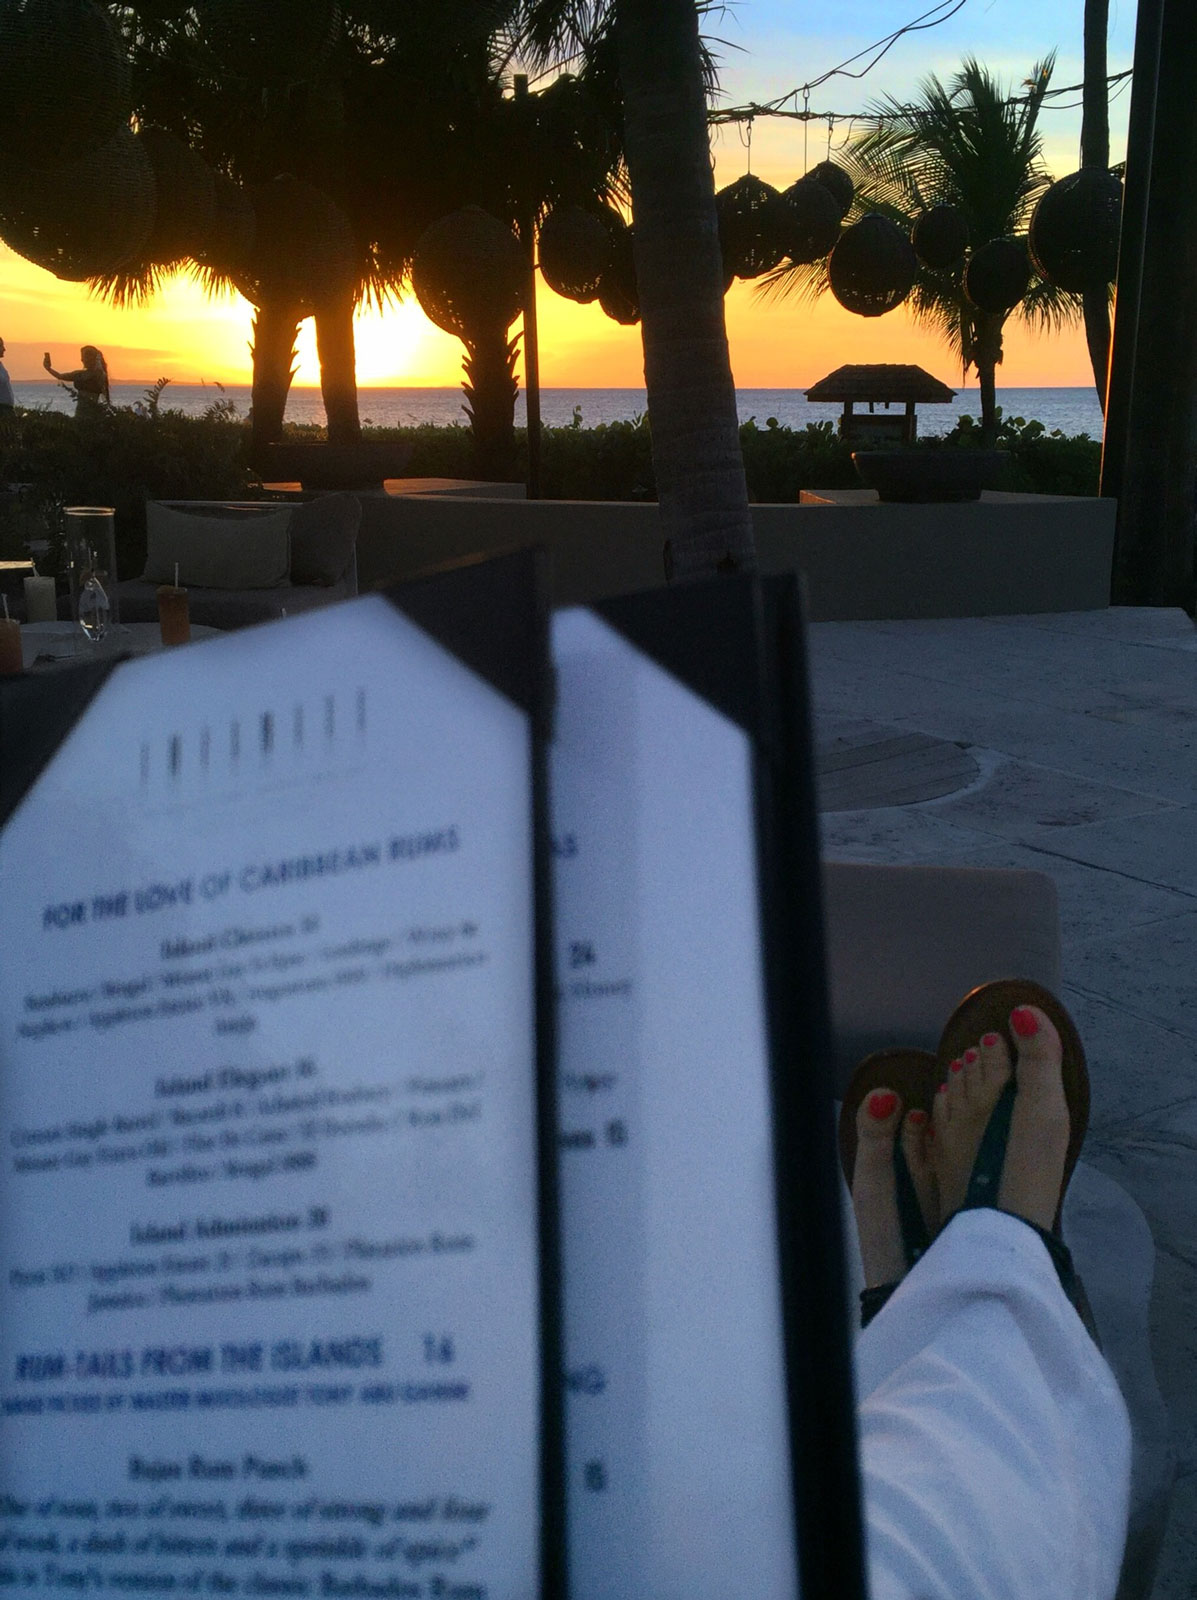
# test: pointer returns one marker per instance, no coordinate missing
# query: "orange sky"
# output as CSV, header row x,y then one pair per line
x,y
185,337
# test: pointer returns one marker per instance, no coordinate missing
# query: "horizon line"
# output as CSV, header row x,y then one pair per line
x,y
545,388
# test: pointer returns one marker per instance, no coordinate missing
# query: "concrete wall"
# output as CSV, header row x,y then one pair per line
x,y
988,558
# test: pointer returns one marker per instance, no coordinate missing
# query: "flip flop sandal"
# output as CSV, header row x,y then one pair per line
x,y
987,1010
914,1075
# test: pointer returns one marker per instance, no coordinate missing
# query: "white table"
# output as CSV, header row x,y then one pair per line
x,y
48,644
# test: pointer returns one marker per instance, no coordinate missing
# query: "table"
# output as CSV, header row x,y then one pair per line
x,y
50,644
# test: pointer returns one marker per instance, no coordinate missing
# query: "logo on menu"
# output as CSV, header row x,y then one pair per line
x,y
268,740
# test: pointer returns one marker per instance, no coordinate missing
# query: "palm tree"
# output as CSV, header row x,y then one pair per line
x,y
971,145
664,78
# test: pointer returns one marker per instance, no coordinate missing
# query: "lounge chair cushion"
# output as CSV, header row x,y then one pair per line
x,y
323,536
214,552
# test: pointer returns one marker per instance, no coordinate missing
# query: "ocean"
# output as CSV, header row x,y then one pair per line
x,y
1070,411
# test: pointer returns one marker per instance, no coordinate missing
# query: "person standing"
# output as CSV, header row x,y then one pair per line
x,y
7,403
90,381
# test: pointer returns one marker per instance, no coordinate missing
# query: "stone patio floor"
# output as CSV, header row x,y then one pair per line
x,y
1083,728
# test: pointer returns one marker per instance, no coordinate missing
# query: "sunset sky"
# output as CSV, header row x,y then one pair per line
x,y
769,47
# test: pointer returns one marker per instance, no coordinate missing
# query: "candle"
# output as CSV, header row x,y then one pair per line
x,y
174,618
10,643
41,604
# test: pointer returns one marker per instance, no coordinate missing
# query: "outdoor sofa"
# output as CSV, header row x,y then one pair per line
x,y
246,561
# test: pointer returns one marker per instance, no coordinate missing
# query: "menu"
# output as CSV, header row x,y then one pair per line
x,y
270,1316
678,1434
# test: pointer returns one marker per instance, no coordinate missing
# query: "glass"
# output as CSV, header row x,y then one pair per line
x,y
89,536
174,619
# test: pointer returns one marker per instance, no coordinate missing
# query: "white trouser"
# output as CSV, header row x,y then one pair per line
x,y
995,1443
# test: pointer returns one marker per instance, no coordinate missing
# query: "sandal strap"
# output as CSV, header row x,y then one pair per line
x,y
871,1301
986,1175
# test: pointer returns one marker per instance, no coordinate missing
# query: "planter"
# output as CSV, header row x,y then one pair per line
x,y
930,475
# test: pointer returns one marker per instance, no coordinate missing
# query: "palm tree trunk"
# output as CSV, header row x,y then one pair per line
x,y
490,391
1095,152
276,332
338,371
987,380
691,393
987,354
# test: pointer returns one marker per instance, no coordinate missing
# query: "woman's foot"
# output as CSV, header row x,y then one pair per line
x,y
1033,1166
960,1115
874,1184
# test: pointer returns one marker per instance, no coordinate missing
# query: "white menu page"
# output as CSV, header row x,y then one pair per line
x,y
270,1315
677,1438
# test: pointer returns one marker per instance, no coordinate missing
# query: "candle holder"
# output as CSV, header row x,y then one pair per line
x,y
89,538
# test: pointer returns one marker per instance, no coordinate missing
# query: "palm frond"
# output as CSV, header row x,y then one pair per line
x,y
133,286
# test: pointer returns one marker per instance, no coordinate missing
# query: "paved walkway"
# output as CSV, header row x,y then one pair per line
x,y
1083,728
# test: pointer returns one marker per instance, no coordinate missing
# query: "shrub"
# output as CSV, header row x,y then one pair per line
x,y
1040,462
121,458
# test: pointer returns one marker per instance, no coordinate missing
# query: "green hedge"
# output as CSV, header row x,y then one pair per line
x,y
119,458
126,456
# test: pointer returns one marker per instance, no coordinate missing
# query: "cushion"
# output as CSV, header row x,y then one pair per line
x,y
213,552
323,534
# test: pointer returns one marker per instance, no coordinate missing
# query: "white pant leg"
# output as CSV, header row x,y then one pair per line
x,y
995,1443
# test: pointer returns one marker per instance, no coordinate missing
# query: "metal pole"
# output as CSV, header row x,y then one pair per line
x,y
531,339
1154,553
1136,189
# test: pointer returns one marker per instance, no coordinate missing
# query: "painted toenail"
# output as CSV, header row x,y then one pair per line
x,y
970,1056
882,1103
918,1118
943,1089
1024,1022
957,1065
989,1040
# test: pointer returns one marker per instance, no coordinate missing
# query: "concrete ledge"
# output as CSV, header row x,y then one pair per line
x,y
994,557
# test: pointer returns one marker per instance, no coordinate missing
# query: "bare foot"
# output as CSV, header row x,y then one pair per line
x,y
1039,1128
874,1187
961,1114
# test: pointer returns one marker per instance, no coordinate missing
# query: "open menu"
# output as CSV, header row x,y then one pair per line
x,y
271,1182
295,1062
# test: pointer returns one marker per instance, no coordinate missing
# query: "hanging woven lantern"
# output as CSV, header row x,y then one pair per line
x,y
575,248
271,41
873,267
65,80
838,184
1075,228
752,226
86,218
304,252
468,273
997,275
940,237
812,222
186,198
618,294
228,246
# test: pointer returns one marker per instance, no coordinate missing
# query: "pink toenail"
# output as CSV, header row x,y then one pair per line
x,y
989,1040
970,1056
957,1065
918,1118
943,1089
1024,1022
882,1103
